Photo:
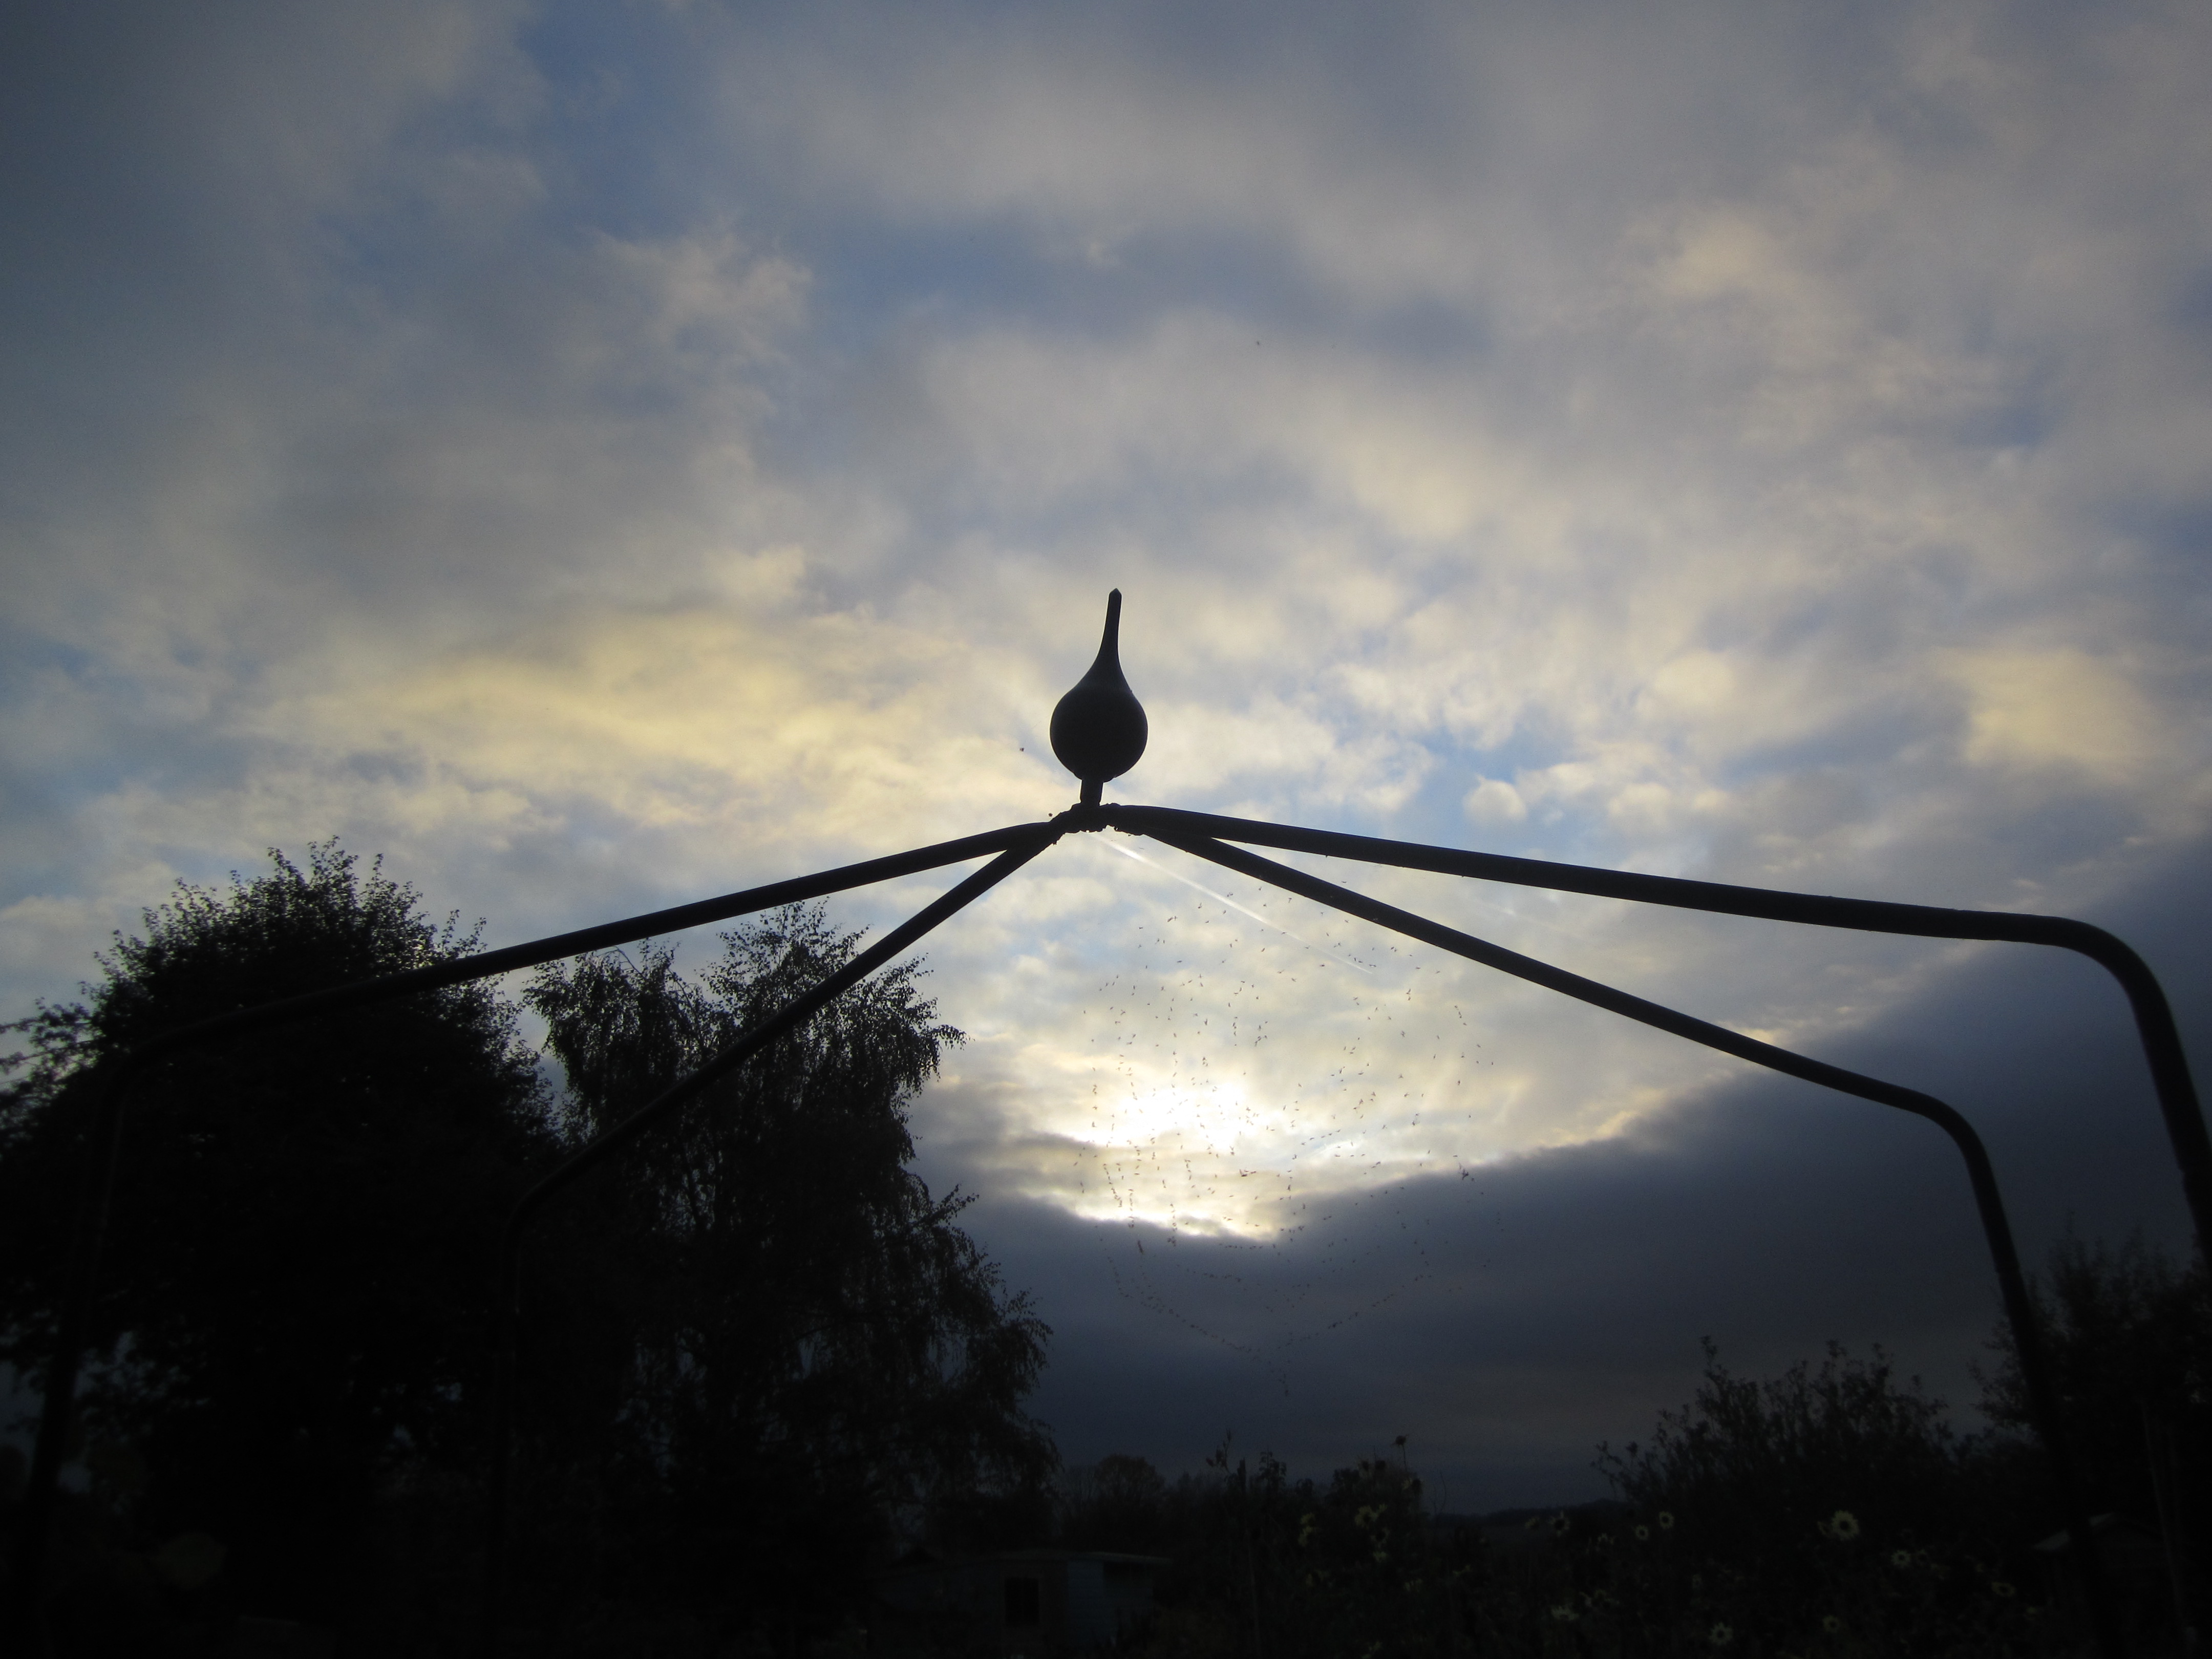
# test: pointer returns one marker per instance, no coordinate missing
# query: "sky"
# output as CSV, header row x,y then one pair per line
x,y
598,457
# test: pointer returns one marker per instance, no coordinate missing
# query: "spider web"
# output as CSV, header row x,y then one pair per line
x,y
1265,1078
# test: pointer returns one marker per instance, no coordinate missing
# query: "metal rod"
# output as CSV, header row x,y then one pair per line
x,y
2020,1310
95,1194
579,1164
2161,1041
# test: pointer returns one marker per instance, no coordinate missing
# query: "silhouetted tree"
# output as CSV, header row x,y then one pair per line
x,y
296,1282
1119,1503
815,1347
2129,1332
1261,1564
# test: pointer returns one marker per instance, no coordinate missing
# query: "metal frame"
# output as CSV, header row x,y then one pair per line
x,y
1202,835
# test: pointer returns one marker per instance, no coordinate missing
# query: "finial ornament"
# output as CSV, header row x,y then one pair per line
x,y
1098,728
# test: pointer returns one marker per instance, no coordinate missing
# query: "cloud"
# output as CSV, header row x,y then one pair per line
x,y
1494,801
2058,708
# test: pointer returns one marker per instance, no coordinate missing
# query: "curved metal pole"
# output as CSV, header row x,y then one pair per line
x,y
531,1206
95,1194
2020,1310
2162,1042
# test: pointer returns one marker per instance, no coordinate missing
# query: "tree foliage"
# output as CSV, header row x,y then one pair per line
x,y
294,1290
1827,1510
2128,1335
753,1342
1260,1562
1835,1501
1119,1503
1750,1467
811,1347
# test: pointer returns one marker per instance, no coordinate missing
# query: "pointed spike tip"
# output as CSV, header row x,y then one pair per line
x,y
1098,729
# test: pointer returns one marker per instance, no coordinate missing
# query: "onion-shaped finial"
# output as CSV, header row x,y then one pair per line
x,y
1098,728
